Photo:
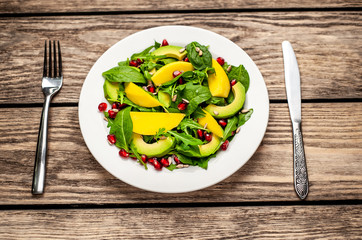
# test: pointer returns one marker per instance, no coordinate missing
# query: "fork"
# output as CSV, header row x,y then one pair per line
x,y
51,83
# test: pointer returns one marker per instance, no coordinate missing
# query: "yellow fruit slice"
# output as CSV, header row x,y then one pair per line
x,y
164,74
211,124
149,123
219,84
139,96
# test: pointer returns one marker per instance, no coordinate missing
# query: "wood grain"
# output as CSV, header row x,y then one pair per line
x,y
333,141
80,6
327,45
268,222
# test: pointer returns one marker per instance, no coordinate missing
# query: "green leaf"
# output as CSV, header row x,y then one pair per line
x,y
241,75
190,151
193,161
143,54
198,113
122,128
199,62
188,123
230,127
195,94
124,74
219,101
172,167
244,117
185,139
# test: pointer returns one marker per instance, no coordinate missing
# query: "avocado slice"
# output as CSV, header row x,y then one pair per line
x,y
231,109
210,147
164,98
170,51
157,149
110,90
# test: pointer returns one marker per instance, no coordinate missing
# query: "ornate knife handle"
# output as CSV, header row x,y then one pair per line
x,y
300,168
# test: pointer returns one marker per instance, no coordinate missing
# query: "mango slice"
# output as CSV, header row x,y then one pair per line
x,y
164,74
219,84
139,96
212,124
149,123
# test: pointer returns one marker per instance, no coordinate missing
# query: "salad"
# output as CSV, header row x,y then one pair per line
x,y
173,106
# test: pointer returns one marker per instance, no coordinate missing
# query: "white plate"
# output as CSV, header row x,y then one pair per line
x,y
240,150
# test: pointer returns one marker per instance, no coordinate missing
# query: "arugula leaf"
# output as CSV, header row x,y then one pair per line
x,y
190,151
244,117
157,45
161,132
188,123
198,113
124,74
201,162
185,139
122,128
195,94
124,63
230,127
143,54
166,61
240,74
134,151
199,62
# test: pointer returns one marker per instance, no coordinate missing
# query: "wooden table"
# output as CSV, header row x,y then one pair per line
x,y
82,200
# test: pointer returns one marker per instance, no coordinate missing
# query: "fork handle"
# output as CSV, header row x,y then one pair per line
x,y
41,150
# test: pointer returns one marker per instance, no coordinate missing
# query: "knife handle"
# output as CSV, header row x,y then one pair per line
x,y
299,166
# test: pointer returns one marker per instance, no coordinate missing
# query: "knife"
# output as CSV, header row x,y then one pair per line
x,y
292,84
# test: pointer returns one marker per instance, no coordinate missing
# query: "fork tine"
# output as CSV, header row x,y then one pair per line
x,y
55,60
50,59
60,60
45,60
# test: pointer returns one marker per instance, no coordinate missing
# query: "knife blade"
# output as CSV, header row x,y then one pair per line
x,y
292,84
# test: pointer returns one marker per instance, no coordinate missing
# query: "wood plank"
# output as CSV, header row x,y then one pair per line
x,y
333,141
326,44
43,6
267,222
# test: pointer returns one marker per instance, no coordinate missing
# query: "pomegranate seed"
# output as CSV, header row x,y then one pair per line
x,y
157,165
139,61
152,160
208,136
186,59
123,153
200,134
164,162
220,60
182,106
232,133
144,158
177,161
133,63
164,42
112,114
232,82
225,145
121,106
222,123
151,89
181,81
134,158
176,73
111,138
102,107
115,105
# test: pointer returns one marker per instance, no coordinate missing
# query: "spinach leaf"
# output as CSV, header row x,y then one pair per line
x,y
240,74
124,74
199,62
122,128
195,94
185,139
190,151
124,63
198,113
143,54
244,117
166,61
201,162
219,101
230,127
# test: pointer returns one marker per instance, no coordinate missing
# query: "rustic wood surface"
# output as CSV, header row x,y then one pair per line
x,y
273,222
322,42
74,176
81,6
83,201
